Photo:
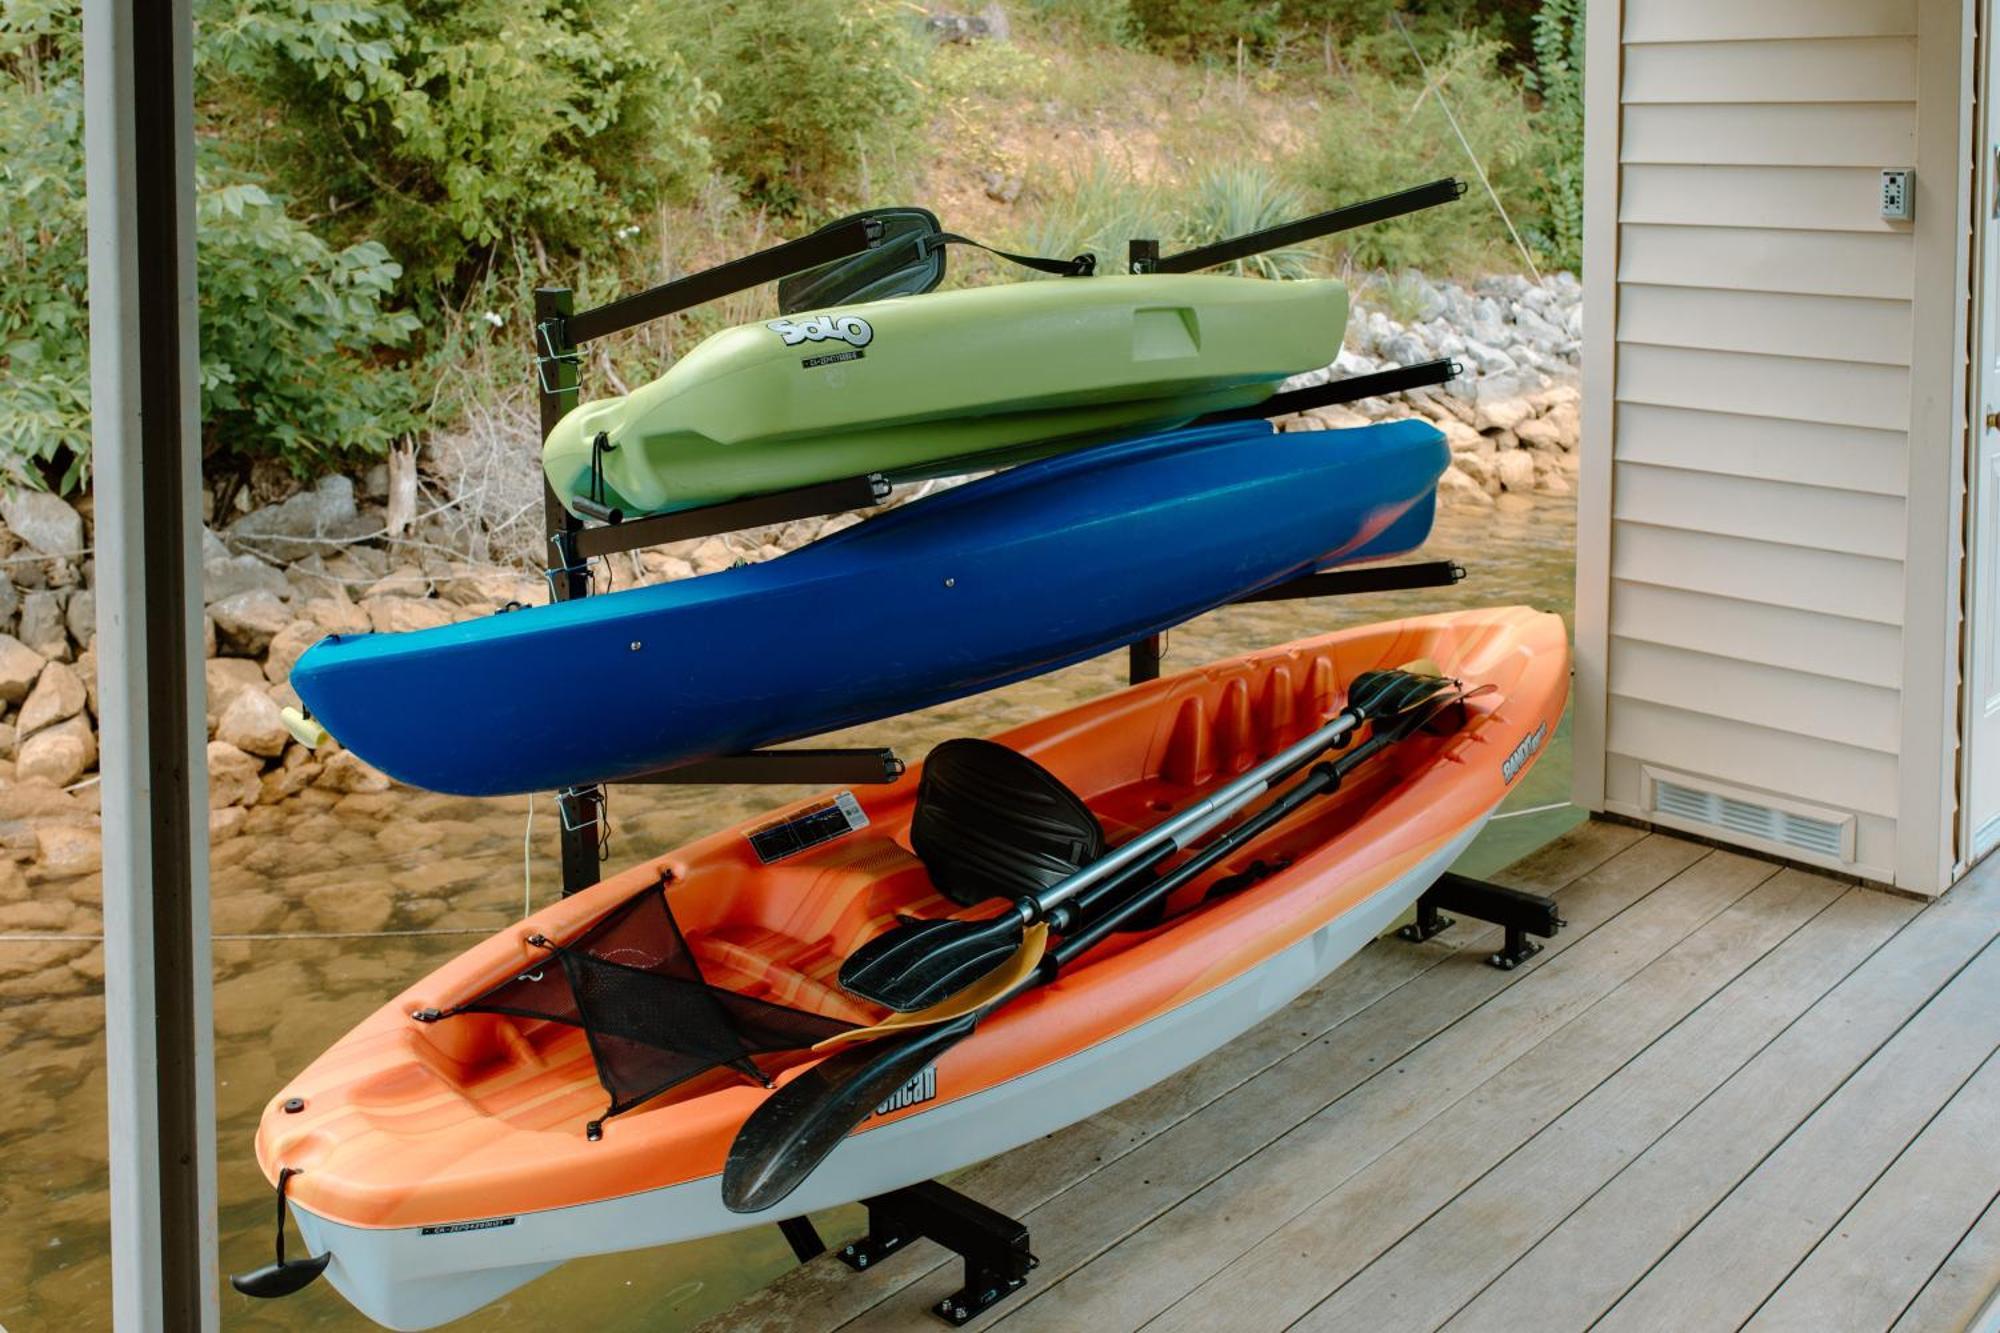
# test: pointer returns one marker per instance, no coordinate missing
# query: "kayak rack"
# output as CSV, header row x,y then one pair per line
x,y
575,544
993,1247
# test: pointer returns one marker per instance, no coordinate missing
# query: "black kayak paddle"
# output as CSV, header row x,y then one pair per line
x,y
918,964
798,1126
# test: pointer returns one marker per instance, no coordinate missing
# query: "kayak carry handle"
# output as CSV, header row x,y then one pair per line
x,y
284,1276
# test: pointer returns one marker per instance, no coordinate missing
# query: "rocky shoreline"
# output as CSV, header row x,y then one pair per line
x,y
1513,417
320,562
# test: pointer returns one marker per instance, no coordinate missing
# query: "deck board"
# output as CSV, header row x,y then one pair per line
x,y
1036,1173
1720,1272
1962,1283
1726,1092
1352,1225
1442,1265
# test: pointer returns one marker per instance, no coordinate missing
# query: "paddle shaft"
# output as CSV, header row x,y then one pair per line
x,y
1324,780
1173,834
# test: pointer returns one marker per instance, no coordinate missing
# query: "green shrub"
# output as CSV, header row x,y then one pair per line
x,y
283,316
1385,129
1558,76
292,329
1098,211
811,95
1234,200
1205,27
1107,22
440,127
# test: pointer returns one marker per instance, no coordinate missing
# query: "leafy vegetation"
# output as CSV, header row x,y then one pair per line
x,y
384,181
441,127
297,336
811,97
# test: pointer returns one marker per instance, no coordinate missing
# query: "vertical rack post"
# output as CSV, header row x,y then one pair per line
x,y
580,809
1142,659
139,151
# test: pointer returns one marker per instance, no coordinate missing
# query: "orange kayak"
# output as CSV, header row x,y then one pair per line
x,y
446,1152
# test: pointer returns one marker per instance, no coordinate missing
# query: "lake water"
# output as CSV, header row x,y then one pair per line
x,y
326,907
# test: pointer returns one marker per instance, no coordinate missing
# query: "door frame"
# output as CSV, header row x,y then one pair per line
x,y
1967,844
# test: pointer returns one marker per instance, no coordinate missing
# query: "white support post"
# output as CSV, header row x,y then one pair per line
x,y
139,140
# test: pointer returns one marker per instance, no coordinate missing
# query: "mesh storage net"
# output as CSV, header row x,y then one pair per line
x,y
635,988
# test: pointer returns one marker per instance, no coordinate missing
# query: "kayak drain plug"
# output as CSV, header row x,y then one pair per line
x,y
294,1105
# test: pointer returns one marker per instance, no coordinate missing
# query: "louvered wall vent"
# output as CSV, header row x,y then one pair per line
x,y
1826,836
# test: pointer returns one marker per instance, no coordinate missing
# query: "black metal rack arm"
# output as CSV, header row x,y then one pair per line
x,y
829,497
838,240
863,766
1334,220
1353,582
1351,389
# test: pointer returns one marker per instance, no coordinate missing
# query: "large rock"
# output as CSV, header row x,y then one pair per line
x,y
246,622
81,617
251,723
402,581
234,778
227,575
344,771
1503,414
713,555
1517,470
337,615
44,522
287,646
20,667
393,615
1482,468
57,755
320,519
57,697
290,777
1457,490
1462,437
1567,418
1540,433
69,849
42,624
228,677
86,671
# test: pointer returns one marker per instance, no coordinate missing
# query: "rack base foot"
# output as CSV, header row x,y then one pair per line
x,y
1516,911
993,1245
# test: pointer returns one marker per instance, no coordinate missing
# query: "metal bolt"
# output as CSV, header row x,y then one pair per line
x,y
295,1105
951,583
636,645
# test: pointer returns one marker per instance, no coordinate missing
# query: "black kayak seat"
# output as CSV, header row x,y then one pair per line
x,y
992,823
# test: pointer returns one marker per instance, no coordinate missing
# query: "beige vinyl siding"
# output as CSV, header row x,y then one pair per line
x,y
1809,453
1762,401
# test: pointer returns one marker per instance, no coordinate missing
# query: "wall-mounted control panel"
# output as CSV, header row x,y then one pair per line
x,y
1899,195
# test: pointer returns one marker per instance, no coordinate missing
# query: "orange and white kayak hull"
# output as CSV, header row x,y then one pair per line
x,y
443,1168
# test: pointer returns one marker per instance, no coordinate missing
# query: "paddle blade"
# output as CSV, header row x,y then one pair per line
x,y
800,1124
922,963
1387,693
993,987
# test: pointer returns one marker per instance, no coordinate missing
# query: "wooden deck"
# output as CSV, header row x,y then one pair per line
x,y
1728,1095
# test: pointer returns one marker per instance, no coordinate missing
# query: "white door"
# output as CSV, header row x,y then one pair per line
x,y
1981,824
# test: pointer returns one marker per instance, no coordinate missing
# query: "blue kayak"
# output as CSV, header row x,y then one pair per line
x,y
991,582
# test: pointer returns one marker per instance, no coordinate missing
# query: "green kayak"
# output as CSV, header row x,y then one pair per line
x,y
927,385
